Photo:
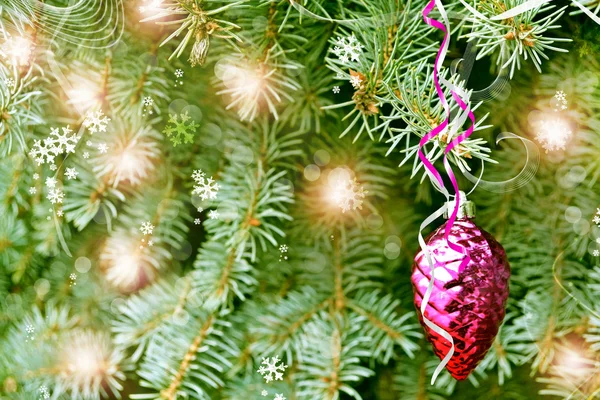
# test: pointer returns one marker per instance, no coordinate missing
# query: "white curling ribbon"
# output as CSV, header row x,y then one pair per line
x,y
520,9
424,302
587,12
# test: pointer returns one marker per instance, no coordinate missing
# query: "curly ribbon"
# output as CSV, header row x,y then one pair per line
x,y
458,95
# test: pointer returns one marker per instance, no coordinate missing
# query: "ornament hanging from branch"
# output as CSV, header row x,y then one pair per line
x,y
467,300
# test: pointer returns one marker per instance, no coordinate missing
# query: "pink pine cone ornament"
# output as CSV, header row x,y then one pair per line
x,y
469,303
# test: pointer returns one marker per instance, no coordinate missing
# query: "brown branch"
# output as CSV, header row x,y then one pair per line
x,y
171,392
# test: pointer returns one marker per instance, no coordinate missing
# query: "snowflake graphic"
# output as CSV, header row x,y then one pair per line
x,y
271,368
197,221
36,176
264,393
213,214
200,209
50,182
336,89
146,228
279,396
86,155
55,196
103,148
57,143
355,81
553,134
95,121
44,151
283,248
179,73
10,83
44,392
561,99
32,190
180,130
596,220
150,243
349,195
60,213
71,173
148,102
206,188
198,175
596,253
348,48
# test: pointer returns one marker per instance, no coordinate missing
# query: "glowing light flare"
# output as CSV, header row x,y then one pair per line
x,y
573,363
17,50
552,131
126,266
248,87
83,94
343,191
84,360
242,80
151,7
130,161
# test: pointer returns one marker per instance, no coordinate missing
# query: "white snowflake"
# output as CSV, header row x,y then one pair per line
x,y
53,167
36,176
50,182
147,228
148,101
10,83
349,195
103,148
178,72
206,188
355,81
89,143
65,142
197,221
32,190
596,253
150,243
596,220
96,121
86,155
200,209
336,89
60,213
348,48
271,369
44,151
561,99
553,134
55,196
213,214
44,392
279,396
283,248
71,173
264,393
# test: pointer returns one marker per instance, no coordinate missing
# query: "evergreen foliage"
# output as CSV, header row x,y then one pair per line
x,y
94,307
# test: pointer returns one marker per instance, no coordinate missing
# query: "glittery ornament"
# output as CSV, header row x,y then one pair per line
x,y
468,302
